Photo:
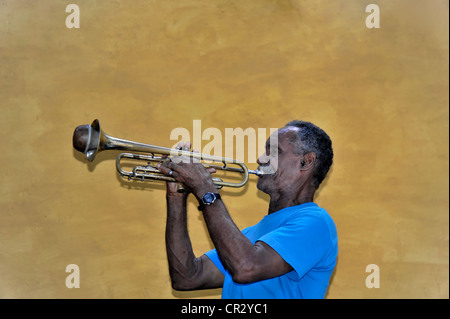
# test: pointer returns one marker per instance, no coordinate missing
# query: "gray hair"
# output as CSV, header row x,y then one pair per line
x,y
312,139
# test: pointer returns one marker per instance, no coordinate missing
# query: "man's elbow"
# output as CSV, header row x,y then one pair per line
x,y
245,274
181,285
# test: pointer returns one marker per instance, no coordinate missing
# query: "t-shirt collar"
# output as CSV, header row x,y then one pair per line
x,y
293,208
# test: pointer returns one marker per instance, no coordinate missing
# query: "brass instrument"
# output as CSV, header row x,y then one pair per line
x,y
90,139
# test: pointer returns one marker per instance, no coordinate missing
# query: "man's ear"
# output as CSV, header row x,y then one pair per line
x,y
308,161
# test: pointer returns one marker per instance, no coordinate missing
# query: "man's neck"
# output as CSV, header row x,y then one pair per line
x,y
280,201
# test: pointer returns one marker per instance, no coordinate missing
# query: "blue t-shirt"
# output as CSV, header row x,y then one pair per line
x,y
305,237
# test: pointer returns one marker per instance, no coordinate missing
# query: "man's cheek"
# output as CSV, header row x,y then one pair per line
x,y
274,165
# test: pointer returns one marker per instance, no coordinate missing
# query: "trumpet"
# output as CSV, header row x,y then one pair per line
x,y
90,139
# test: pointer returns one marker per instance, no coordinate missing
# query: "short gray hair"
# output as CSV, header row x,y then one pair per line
x,y
314,140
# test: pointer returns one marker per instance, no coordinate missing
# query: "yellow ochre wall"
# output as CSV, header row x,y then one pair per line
x,y
145,68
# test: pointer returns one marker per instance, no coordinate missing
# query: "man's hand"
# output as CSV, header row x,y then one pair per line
x,y
173,188
193,176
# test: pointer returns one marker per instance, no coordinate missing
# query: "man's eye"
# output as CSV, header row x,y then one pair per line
x,y
274,151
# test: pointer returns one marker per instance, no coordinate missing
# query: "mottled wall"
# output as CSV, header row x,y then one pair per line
x,y
146,67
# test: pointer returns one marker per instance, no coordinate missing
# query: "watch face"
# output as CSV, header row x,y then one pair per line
x,y
208,198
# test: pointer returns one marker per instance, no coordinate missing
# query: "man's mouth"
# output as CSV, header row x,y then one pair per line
x,y
265,171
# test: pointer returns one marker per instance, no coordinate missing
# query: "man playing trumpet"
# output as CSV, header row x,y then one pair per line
x,y
290,253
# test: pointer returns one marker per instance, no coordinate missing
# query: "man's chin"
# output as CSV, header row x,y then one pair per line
x,y
262,184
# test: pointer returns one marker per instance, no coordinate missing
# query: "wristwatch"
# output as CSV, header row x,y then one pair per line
x,y
208,199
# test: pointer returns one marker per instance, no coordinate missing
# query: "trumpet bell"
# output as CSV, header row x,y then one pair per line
x,y
86,139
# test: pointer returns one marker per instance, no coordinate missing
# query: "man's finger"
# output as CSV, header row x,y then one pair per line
x,y
168,169
163,169
164,163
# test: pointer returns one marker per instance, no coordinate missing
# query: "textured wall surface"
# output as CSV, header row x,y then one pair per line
x,y
146,67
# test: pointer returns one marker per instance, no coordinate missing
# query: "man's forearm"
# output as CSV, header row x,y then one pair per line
x,y
182,263
234,249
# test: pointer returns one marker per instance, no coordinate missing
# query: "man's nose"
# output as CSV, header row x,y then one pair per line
x,y
263,159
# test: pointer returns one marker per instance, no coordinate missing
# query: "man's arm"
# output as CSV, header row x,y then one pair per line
x,y
245,261
186,271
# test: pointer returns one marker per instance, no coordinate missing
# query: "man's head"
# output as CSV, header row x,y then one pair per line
x,y
301,158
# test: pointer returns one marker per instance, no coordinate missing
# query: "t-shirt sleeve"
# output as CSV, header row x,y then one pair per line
x,y
302,242
212,254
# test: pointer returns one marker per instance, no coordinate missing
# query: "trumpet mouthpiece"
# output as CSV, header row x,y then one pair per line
x,y
257,172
